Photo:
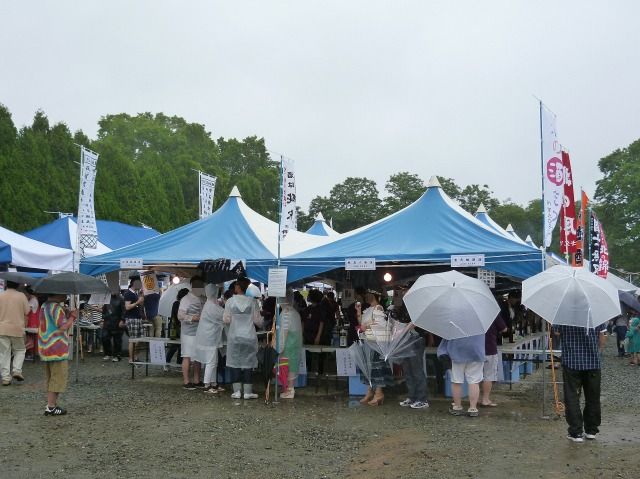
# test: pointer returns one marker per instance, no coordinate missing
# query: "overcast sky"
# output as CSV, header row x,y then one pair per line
x,y
345,88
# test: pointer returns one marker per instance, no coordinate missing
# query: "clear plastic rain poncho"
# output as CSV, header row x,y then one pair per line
x,y
209,337
291,336
242,313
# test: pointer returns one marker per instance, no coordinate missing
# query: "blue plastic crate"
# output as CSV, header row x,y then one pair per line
x,y
356,388
510,372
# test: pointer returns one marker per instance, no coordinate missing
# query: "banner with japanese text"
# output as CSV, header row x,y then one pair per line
x,y
599,249
207,190
288,219
553,174
87,229
578,257
568,225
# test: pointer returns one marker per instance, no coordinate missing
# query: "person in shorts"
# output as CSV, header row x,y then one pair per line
x,y
53,347
133,302
467,362
491,358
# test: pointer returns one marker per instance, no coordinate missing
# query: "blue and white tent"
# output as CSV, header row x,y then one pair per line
x,y
24,252
233,231
111,234
530,242
430,230
321,228
482,216
514,235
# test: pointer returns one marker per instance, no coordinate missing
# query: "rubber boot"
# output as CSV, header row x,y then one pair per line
x,y
248,391
237,391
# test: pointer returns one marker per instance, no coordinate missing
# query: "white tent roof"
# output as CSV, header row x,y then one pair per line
x,y
29,253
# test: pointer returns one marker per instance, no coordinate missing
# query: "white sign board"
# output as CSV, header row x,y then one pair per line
x,y
487,276
466,260
131,263
157,353
207,190
360,264
345,366
149,282
288,217
278,282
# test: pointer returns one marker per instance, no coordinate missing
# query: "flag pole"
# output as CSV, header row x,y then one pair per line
x,y
280,188
543,250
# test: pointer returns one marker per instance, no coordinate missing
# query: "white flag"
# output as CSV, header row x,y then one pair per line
x,y
288,219
553,173
207,190
87,229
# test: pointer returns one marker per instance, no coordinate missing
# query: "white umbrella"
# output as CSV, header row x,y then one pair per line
x,y
169,297
451,305
571,296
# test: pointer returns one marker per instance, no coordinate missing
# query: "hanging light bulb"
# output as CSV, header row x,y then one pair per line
x,y
387,277
175,280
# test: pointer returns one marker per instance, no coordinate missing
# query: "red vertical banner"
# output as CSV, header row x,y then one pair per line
x,y
568,224
578,257
604,255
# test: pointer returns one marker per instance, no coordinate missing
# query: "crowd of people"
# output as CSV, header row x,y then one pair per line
x,y
219,328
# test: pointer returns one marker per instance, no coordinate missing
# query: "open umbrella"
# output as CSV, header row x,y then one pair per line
x,y
70,283
629,300
397,343
169,297
571,297
16,277
451,305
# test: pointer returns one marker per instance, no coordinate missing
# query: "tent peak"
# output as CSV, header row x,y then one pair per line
x,y
481,209
509,228
434,182
235,192
319,217
528,239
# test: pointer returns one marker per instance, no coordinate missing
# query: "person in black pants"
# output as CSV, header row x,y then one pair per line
x,y
112,315
174,327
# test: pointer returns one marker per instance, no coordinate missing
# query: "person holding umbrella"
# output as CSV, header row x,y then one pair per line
x,y
53,346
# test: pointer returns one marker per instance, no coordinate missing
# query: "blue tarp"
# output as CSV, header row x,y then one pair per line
x,y
5,253
111,234
430,230
321,228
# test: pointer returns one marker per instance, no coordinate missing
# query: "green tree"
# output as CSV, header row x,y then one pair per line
x,y
402,189
618,205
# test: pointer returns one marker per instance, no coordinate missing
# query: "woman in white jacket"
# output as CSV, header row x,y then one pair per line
x,y
209,338
242,314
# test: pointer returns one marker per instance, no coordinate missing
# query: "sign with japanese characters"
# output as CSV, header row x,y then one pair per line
x,y
345,366
487,276
131,263
288,218
207,191
277,282
157,353
360,264
568,224
553,173
466,260
87,229
149,282
599,249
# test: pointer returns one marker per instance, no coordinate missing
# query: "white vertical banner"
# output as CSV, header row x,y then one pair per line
x,y
553,173
207,190
288,220
87,229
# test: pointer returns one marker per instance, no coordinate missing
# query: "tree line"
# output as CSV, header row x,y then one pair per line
x,y
145,175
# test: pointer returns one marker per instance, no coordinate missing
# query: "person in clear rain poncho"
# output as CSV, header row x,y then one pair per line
x,y
290,343
209,338
242,314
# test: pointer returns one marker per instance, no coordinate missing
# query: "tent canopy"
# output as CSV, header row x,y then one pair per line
x,y
430,230
482,216
321,228
21,251
111,234
233,231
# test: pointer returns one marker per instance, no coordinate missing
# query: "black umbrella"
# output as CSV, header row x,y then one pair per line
x,y
16,277
70,283
629,300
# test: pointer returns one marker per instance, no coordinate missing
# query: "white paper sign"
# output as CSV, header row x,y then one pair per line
x,y
100,299
344,363
360,264
288,220
466,260
278,282
487,276
131,263
157,353
553,173
87,229
207,191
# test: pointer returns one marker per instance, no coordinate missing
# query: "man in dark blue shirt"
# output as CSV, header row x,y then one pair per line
x,y
581,364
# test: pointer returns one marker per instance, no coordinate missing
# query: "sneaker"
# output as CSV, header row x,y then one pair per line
x,y
250,396
6,382
472,412
289,394
18,376
220,389
54,411
189,386
454,411
406,402
236,395
199,385
106,358
211,390
591,437
115,360
419,405
575,438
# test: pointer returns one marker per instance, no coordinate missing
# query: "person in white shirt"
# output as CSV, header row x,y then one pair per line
x,y
189,315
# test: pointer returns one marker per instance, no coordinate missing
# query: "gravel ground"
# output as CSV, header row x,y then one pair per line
x,y
150,427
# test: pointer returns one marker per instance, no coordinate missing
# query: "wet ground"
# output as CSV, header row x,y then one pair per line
x,y
151,427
